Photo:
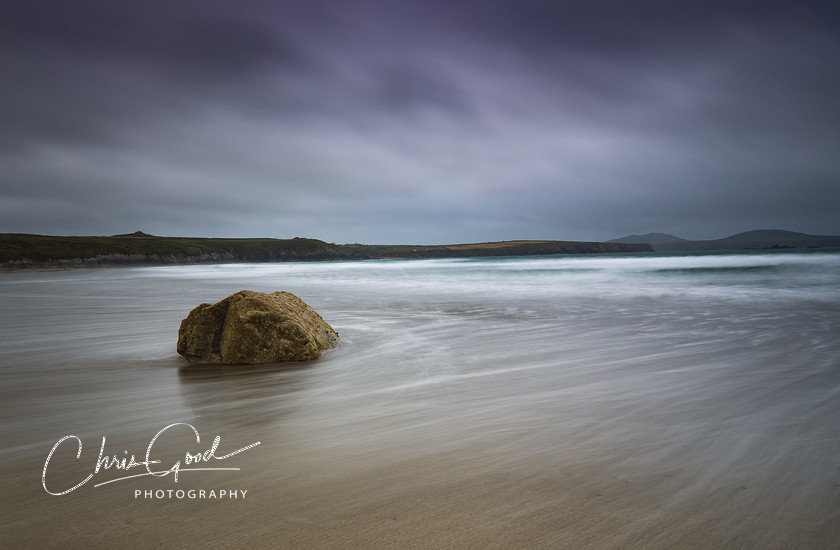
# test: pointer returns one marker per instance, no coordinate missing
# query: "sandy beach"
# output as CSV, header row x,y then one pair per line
x,y
487,404
484,493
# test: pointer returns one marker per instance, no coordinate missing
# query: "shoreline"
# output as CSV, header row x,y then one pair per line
x,y
48,268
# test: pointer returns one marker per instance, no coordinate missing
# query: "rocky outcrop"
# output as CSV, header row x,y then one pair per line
x,y
254,327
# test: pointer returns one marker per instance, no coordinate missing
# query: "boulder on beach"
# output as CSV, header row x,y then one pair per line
x,y
254,327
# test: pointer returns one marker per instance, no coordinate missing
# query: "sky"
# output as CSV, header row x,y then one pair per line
x,y
419,122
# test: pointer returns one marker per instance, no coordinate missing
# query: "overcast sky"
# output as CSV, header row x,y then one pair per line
x,y
399,121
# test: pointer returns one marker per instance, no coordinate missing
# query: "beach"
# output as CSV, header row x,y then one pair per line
x,y
639,401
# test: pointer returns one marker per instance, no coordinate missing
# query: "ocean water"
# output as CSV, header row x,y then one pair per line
x,y
679,400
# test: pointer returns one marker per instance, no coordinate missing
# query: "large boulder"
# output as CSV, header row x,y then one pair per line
x,y
253,327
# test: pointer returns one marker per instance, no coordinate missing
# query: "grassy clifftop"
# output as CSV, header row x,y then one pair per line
x,y
19,250
499,248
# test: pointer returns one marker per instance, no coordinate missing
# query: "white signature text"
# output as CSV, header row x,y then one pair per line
x,y
106,462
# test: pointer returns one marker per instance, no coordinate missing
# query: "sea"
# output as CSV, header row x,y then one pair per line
x,y
607,401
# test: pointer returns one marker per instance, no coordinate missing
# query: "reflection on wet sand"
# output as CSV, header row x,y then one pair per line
x,y
242,396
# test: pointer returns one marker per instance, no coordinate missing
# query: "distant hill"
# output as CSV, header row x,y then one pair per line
x,y
135,234
772,238
650,238
761,239
19,250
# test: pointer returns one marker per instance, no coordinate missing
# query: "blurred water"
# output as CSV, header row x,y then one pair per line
x,y
703,375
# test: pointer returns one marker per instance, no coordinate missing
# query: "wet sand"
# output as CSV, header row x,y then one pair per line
x,y
415,467
433,503
439,500
450,417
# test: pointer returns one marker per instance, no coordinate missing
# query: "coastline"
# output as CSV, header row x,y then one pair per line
x,y
20,251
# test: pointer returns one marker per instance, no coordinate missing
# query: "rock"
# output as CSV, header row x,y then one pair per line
x,y
253,327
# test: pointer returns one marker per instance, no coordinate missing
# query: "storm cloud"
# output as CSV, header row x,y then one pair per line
x,y
419,122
